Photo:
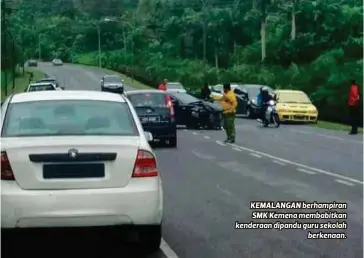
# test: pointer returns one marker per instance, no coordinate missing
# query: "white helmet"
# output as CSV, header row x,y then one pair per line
x,y
264,89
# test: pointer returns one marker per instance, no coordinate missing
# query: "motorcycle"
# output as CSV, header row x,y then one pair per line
x,y
271,115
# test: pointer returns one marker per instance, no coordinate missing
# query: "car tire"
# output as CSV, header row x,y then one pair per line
x,y
249,113
150,238
172,142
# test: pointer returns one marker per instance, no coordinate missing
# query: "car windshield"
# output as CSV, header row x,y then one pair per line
x,y
254,91
68,117
147,99
185,98
112,79
175,85
41,87
293,97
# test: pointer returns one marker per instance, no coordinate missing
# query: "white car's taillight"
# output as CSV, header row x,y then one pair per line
x,y
6,170
145,165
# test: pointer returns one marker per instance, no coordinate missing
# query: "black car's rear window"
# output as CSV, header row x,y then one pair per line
x,y
148,99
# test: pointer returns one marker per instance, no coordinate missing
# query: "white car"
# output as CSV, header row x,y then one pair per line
x,y
175,87
57,62
42,86
78,159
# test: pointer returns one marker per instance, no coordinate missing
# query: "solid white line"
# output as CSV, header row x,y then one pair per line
x,y
344,182
256,155
279,163
202,156
206,137
237,149
301,165
306,171
220,143
167,250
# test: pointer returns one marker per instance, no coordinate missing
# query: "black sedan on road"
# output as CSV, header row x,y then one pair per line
x,y
195,113
247,98
112,83
156,114
32,63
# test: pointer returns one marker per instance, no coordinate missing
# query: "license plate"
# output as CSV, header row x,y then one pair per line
x,y
150,119
71,171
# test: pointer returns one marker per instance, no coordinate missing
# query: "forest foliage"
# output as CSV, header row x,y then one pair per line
x,y
314,46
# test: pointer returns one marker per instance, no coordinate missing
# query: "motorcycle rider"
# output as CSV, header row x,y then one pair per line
x,y
262,100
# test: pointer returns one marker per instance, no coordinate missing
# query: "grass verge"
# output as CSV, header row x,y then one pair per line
x,y
334,126
22,81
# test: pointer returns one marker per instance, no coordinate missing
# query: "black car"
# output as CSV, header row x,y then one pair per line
x,y
247,98
112,83
156,114
32,63
195,113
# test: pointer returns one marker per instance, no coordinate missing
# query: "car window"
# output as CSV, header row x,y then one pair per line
x,y
147,99
217,88
185,98
293,97
175,85
112,79
41,87
68,117
239,91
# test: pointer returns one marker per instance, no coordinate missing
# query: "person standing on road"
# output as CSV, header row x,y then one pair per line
x,y
229,104
353,104
163,85
205,91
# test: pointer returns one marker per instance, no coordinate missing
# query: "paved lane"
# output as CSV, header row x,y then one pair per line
x,y
208,185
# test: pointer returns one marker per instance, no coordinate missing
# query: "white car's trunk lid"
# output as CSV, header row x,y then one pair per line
x,y
47,162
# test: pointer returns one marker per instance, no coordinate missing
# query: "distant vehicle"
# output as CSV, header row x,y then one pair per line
x,y
156,113
296,106
112,83
32,63
51,80
57,62
195,113
86,153
175,87
246,95
41,86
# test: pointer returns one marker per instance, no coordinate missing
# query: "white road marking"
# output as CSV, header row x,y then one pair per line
x,y
220,143
279,162
327,136
167,250
225,191
301,165
306,171
344,182
237,149
255,155
195,133
202,156
206,137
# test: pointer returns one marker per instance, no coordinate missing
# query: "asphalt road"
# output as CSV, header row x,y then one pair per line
x,y
208,185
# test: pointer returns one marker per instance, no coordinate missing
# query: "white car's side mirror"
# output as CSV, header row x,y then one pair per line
x,y
148,136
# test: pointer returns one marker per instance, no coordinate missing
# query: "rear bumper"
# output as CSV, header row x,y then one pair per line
x,y
291,117
139,203
161,132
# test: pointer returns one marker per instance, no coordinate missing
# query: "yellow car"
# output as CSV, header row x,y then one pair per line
x,y
295,106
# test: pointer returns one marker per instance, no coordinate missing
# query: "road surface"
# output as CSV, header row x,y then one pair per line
x,y
209,185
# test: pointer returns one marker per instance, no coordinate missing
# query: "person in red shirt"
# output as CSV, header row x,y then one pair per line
x,y
163,85
353,104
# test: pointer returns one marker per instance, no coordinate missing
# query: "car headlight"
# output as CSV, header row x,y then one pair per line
x,y
253,101
313,111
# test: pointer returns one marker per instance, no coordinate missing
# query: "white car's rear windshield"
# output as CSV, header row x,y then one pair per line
x,y
41,87
68,117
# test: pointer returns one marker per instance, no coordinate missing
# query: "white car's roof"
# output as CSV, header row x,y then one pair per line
x,y
66,94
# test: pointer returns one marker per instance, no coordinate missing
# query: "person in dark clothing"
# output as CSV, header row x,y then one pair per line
x,y
205,91
353,104
263,98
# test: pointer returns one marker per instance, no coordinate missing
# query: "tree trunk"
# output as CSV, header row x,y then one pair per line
x,y
216,58
293,20
263,38
254,4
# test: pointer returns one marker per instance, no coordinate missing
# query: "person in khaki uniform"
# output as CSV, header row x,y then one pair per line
x,y
229,104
